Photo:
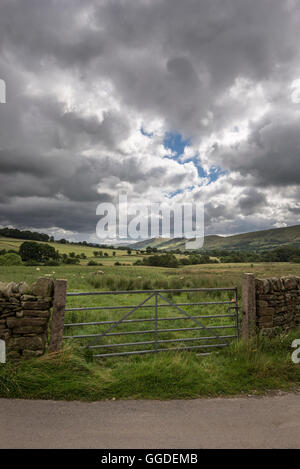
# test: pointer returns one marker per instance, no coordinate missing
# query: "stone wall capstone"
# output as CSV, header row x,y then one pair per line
x,y
277,304
24,317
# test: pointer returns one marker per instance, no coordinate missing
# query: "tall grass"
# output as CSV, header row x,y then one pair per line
x,y
152,281
242,368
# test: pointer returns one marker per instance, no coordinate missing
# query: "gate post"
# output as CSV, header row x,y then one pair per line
x,y
58,315
248,306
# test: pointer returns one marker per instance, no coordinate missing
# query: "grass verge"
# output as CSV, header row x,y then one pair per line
x,y
256,367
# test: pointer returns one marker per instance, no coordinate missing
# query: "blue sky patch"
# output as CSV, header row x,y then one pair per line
x,y
214,173
180,191
174,141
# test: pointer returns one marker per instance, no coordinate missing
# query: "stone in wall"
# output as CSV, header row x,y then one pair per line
x,y
277,304
24,317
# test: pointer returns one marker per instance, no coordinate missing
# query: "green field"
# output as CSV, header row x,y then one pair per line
x,y
73,374
208,275
121,255
82,278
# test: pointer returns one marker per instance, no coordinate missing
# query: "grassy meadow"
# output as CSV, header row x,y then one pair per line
x,y
83,278
74,374
121,255
254,368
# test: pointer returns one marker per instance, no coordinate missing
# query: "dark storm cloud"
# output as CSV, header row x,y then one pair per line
x,y
216,212
109,132
271,154
251,200
218,40
47,213
163,59
166,57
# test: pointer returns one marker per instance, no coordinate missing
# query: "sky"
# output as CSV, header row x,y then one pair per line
x,y
195,100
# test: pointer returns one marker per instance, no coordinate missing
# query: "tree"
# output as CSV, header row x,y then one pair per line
x,y
161,260
32,251
10,259
48,253
129,252
71,260
19,234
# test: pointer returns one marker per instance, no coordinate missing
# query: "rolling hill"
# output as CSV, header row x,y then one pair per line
x,y
254,241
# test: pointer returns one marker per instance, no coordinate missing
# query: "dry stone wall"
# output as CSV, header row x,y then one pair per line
x,y
269,306
277,304
24,317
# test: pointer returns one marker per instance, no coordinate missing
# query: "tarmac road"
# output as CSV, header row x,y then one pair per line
x,y
254,422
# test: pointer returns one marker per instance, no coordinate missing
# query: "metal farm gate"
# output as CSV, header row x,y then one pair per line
x,y
121,329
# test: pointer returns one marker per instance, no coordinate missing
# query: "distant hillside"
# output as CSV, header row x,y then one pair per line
x,y
255,241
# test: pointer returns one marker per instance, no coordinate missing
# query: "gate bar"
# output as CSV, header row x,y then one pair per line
x,y
236,312
129,292
135,352
149,331
75,324
187,314
124,317
163,305
162,341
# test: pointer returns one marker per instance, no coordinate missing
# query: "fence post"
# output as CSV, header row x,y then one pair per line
x,y
248,306
58,315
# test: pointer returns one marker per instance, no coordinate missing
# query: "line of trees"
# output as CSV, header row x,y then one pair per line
x,y
170,260
281,254
19,234
159,260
